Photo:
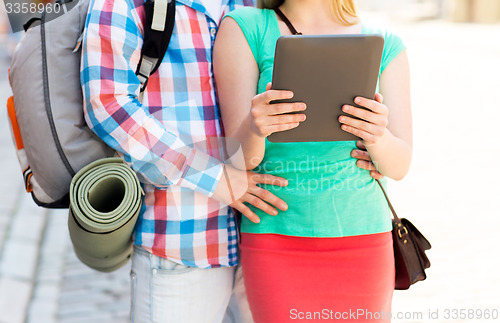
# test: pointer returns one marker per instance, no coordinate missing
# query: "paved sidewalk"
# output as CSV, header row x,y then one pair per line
x,y
41,280
451,194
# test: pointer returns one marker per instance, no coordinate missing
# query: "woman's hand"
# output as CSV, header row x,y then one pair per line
x,y
267,118
364,160
373,124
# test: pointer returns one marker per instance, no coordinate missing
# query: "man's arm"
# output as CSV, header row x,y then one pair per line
x,y
111,51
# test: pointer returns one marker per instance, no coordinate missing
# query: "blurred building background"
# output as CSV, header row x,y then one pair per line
x,y
479,11
451,193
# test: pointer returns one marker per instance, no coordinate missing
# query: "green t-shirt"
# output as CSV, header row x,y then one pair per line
x,y
327,194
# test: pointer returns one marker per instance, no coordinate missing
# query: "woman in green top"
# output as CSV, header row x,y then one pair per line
x,y
332,248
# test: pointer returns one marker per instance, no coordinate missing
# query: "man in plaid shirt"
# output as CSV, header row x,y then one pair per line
x,y
186,236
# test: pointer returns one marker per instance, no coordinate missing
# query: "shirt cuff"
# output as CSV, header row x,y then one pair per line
x,y
202,173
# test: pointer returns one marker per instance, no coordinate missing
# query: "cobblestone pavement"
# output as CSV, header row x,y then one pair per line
x,y
41,280
451,194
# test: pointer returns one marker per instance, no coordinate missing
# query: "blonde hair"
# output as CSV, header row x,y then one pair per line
x,y
344,10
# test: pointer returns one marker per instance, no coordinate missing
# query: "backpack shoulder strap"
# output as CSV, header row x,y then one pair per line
x,y
159,25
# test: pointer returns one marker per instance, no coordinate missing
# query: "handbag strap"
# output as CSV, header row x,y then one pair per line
x,y
388,201
286,21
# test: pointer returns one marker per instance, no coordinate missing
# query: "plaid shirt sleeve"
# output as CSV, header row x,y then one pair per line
x,y
111,52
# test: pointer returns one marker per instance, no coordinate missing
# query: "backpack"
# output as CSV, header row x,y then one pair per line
x,y
49,131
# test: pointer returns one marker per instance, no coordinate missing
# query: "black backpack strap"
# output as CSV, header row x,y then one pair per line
x,y
158,28
30,23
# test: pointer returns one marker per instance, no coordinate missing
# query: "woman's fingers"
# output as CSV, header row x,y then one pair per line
x,y
369,116
368,124
282,127
365,161
376,175
287,118
379,98
267,117
273,95
360,145
373,105
366,136
265,98
361,154
362,125
368,165
282,122
282,108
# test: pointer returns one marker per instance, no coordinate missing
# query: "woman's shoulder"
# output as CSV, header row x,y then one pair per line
x,y
253,22
248,13
389,35
393,43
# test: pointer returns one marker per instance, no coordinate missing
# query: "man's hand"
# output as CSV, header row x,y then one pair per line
x,y
365,161
237,186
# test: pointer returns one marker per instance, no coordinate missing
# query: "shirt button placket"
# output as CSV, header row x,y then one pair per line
x,y
213,32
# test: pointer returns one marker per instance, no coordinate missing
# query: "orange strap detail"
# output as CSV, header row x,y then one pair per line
x,y
27,173
13,121
29,188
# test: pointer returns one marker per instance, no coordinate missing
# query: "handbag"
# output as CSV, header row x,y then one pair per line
x,y
409,250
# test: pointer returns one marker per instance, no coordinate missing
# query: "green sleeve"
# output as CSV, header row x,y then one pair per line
x,y
393,46
250,20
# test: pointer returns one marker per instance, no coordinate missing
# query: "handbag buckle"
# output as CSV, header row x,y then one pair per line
x,y
401,234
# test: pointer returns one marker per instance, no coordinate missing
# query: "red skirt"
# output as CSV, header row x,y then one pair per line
x,y
290,279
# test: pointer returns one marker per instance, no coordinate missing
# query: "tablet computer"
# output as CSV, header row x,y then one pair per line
x,y
326,72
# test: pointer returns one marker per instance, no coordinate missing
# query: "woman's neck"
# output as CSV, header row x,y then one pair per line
x,y
315,17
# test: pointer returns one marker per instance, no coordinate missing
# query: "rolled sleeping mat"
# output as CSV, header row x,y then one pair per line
x,y
105,200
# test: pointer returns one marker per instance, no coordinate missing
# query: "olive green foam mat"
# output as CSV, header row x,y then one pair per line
x,y
105,200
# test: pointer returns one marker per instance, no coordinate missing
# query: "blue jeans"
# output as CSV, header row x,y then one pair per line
x,y
164,291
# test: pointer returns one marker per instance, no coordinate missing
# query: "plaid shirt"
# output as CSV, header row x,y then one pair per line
x,y
172,139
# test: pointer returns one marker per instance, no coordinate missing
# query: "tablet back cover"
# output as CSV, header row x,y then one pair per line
x,y
325,72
